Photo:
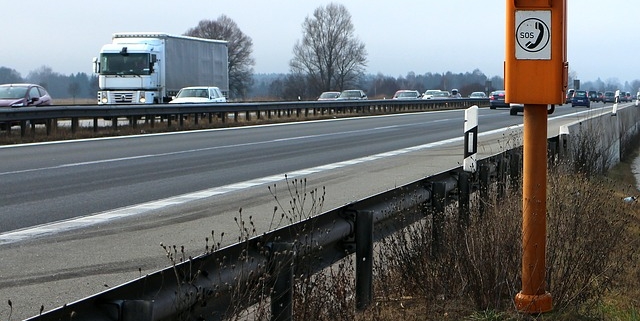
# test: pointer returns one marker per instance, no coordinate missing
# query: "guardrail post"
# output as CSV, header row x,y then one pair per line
x,y
364,259
484,187
464,197
515,168
501,175
75,123
130,310
552,152
438,203
23,128
282,268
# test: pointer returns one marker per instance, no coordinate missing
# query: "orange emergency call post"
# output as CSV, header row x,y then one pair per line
x,y
536,76
536,65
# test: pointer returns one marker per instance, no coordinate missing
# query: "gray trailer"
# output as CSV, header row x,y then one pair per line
x,y
144,68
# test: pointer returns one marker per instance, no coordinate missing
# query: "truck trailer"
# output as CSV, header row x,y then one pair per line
x,y
151,67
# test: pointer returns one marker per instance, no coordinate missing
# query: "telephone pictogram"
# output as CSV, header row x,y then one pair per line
x,y
533,45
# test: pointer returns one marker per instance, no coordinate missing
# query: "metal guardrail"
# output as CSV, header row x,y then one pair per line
x,y
207,285
27,116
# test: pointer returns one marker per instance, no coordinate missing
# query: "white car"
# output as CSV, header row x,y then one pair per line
x,y
200,95
429,93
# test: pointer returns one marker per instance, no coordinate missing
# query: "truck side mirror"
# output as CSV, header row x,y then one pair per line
x,y
96,65
154,59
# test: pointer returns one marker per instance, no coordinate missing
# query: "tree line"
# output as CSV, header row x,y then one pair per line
x,y
330,57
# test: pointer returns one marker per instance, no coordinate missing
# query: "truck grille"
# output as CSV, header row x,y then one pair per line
x,y
121,97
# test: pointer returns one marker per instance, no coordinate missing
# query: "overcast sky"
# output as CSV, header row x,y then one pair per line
x,y
401,36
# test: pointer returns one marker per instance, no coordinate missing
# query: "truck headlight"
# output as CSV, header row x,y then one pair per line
x,y
142,100
104,100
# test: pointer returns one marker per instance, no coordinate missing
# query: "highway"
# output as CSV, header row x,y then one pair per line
x,y
79,216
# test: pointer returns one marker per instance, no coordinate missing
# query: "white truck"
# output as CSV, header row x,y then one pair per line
x,y
148,68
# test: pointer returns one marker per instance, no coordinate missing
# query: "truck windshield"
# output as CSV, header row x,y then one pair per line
x,y
130,64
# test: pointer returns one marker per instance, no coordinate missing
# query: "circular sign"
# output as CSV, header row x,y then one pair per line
x,y
533,35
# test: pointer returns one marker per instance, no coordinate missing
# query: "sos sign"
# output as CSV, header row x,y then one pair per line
x,y
536,67
533,34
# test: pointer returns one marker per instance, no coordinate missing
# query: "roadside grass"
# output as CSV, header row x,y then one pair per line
x,y
593,268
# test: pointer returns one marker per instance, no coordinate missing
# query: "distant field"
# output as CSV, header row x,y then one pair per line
x,y
76,101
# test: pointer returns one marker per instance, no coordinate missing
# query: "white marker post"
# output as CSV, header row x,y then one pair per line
x,y
615,103
470,139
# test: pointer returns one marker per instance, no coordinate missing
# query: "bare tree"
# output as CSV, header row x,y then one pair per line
x,y
330,54
240,49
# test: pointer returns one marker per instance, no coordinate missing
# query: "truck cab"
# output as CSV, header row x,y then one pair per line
x,y
128,73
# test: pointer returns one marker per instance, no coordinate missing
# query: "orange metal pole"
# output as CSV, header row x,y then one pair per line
x,y
533,297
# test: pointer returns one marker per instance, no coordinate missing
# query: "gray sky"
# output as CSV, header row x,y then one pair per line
x,y
400,36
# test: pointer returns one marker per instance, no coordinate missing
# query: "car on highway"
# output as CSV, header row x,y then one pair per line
x,y
515,108
568,96
455,94
442,94
593,95
429,93
352,94
329,95
627,96
609,97
478,95
199,94
406,94
580,98
496,99
23,95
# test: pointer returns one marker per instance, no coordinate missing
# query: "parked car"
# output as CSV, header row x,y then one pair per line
x,y
478,95
406,94
496,99
569,96
329,95
593,95
609,97
580,98
514,109
199,94
429,93
352,94
23,95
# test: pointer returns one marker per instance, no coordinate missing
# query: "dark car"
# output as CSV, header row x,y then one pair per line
x,y
609,97
515,108
580,98
593,95
496,99
23,95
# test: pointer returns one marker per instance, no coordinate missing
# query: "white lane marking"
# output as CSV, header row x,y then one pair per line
x,y
81,222
102,161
